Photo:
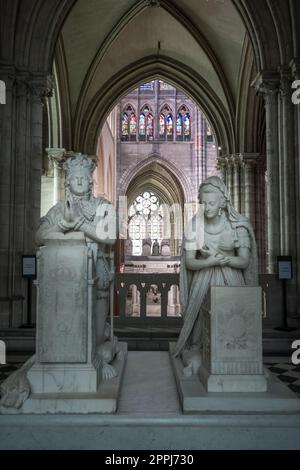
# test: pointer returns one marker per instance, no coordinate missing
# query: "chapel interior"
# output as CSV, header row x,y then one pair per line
x,y
161,94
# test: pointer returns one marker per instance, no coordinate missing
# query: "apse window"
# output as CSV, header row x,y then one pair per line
x,y
128,124
209,134
145,221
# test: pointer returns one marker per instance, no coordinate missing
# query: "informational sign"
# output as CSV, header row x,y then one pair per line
x,y
285,268
2,353
2,92
29,266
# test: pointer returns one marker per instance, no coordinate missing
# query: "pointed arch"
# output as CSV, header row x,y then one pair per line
x,y
150,68
134,170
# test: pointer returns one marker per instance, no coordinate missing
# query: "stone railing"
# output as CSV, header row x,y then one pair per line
x,y
137,288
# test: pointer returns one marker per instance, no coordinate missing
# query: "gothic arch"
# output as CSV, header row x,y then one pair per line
x,y
35,41
155,67
134,170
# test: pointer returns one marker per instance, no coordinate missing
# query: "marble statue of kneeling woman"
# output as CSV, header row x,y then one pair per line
x,y
227,257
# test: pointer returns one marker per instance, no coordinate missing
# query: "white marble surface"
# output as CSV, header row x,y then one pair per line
x,y
62,309
149,386
64,378
195,398
140,426
232,358
104,400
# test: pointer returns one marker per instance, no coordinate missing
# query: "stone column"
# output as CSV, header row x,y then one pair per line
x,y
237,182
229,175
260,212
57,158
7,206
288,182
178,306
295,65
249,164
221,166
135,301
268,88
287,167
20,183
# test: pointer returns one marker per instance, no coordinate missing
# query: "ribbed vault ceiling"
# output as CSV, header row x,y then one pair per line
x,y
103,37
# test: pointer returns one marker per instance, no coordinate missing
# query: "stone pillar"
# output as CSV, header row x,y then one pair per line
x,y
229,175
135,301
178,306
249,163
268,88
287,167
260,212
20,183
296,108
237,182
221,166
287,182
57,157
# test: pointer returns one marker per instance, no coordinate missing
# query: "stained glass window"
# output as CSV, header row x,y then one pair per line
x,y
209,134
169,126
162,125
125,126
150,126
147,86
133,125
187,126
146,124
179,127
142,125
145,220
163,86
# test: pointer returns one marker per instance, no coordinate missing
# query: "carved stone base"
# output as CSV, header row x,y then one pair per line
x,y
64,378
194,397
232,341
232,383
103,400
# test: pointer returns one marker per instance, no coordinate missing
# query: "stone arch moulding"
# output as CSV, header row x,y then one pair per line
x,y
39,42
87,126
132,172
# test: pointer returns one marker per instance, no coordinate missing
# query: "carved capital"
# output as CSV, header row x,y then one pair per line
x,y
286,82
57,157
221,163
230,160
237,160
250,160
295,68
42,87
37,87
267,85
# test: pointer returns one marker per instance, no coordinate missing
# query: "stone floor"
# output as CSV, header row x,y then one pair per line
x,y
150,418
144,371
288,374
142,381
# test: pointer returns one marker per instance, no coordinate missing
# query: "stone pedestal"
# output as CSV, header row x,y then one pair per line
x,y
232,377
66,359
66,375
232,341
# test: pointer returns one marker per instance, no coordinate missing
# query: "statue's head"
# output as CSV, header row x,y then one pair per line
x,y
79,174
214,196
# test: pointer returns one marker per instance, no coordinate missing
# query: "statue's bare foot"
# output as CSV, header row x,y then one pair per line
x,y
192,361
